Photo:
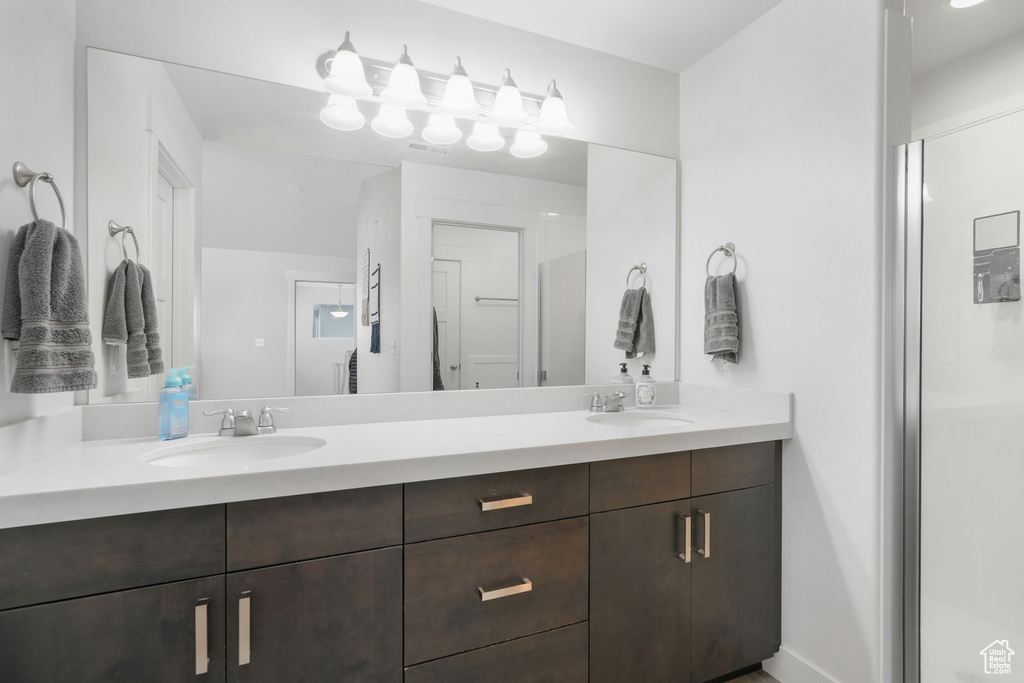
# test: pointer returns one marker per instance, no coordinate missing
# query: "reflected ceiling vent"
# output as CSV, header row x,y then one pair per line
x,y
432,149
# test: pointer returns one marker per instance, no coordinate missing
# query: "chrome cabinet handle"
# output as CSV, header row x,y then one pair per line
x,y
202,637
525,587
244,612
510,502
684,541
705,549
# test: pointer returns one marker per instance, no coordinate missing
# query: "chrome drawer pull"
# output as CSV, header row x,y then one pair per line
x,y
202,640
499,503
244,653
705,550
684,544
525,587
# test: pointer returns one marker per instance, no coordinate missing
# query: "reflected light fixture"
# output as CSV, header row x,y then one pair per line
x,y
527,145
404,84
441,130
960,4
508,104
340,313
553,119
485,137
392,122
342,113
347,76
459,99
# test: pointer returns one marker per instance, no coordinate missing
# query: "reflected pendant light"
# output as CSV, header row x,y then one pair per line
x,y
392,122
340,313
404,85
342,113
528,145
553,120
459,99
347,76
441,130
508,104
485,137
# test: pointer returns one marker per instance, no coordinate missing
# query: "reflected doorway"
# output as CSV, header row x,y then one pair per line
x,y
324,336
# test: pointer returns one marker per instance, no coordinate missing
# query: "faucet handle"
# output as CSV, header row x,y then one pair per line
x,y
227,425
596,400
267,419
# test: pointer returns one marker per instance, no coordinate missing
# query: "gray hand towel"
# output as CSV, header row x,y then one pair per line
x,y
643,340
722,318
154,355
47,312
137,355
115,325
635,333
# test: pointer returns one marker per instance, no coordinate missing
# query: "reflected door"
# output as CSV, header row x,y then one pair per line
x,y
446,299
563,320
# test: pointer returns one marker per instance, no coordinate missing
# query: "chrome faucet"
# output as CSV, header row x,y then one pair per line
x,y
227,425
610,404
267,419
244,424
241,423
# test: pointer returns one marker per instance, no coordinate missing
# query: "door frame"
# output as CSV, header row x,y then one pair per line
x,y
291,277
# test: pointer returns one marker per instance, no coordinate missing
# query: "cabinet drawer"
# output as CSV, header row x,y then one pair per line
x,y
466,505
450,604
278,530
50,562
733,467
648,479
559,655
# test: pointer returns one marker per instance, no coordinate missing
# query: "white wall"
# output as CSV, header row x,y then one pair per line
x,y
37,110
632,219
613,101
783,153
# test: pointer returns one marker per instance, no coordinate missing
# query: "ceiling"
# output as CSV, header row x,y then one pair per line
x,y
943,36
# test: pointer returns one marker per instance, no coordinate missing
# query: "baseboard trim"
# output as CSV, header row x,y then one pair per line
x,y
789,667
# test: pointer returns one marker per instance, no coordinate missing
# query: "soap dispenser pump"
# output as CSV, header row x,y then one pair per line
x,y
645,389
623,376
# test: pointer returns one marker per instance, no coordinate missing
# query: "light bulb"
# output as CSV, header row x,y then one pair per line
x,y
528,145
404,85
459,99
485,137
347,76
342,113
553,120
392,122
441,130
508,104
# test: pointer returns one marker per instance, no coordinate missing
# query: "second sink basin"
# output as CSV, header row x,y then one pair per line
x,y
234,450
635,418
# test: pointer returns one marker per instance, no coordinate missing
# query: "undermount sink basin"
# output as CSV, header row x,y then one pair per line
x,y
633,418
232,450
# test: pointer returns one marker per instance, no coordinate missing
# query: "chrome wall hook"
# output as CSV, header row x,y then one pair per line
x,y
23,176
114,228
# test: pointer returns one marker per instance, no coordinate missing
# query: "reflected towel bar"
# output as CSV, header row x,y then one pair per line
x,y
491,298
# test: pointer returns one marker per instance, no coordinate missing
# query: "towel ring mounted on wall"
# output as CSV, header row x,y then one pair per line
x,y
23,176
643,271
114,228
730,251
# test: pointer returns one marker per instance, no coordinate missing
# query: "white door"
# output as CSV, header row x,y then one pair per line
x,y
158,256
446,292
562,326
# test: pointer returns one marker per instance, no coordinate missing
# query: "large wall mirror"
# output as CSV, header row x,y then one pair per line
x,y
279,246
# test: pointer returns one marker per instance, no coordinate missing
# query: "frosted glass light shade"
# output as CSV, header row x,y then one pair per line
x,y
392,122
553,119
404,85
342,113
347,76
508,104
527,145
962,4
459,99
441,130
485,137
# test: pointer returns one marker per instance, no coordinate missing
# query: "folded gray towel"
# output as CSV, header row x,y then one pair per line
x,y
643,342
47,312
722,318
635,332
137,355
154,355
115,325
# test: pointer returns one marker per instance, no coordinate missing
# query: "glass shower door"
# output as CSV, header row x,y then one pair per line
x,y
971,464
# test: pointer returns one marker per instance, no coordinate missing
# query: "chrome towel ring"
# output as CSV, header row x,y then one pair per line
x,y
114,228
643,271
730,251
23,176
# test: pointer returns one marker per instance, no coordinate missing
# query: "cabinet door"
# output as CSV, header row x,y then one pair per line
x,y
639,594
735,585
334,619
148,634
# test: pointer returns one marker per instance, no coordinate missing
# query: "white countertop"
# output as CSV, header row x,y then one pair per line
x,y
110,477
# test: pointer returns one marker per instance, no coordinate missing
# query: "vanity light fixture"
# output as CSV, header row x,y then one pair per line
x,y
392,122
485,137
441,130
960,4
528,144
347,76
404,85
342,113
459,99
553,119
508,108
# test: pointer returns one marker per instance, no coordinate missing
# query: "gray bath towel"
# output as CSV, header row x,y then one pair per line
x,y
46,311
154,355
130,318
635,333
115,323
722,318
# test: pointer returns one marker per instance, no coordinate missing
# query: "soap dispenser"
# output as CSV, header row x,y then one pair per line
x,y
645,389
173,408
623,376
186,382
